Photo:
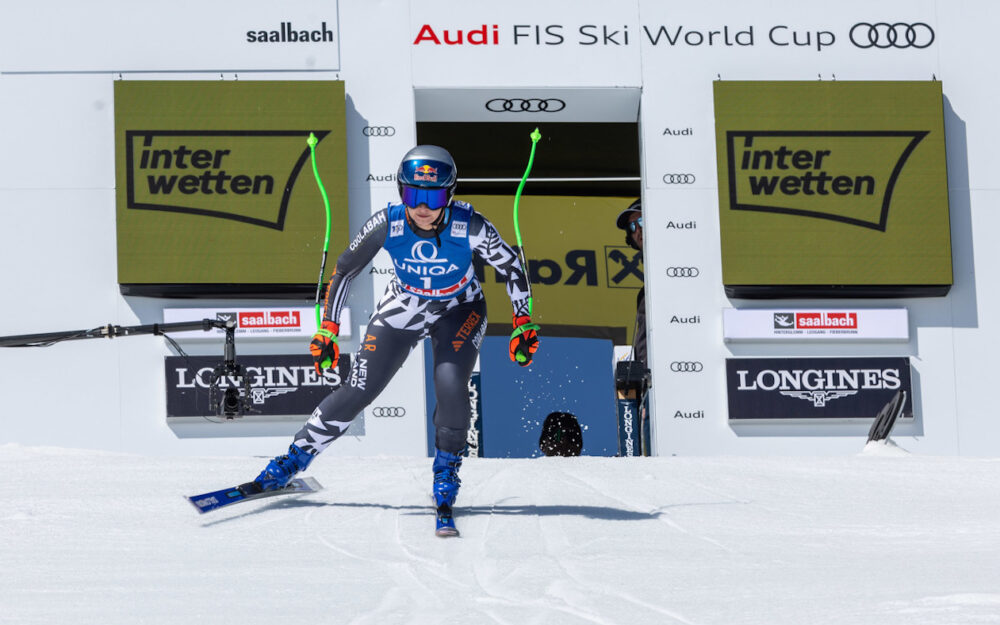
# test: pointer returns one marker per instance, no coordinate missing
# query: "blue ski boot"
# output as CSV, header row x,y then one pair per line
x,y
282,469
446,480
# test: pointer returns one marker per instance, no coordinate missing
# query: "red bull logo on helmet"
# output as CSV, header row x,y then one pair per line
x,y
426,173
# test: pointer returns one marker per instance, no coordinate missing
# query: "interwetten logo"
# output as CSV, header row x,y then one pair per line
x,y
844,176
245,176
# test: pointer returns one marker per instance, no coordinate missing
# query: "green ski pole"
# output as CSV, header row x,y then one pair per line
x,y
535,136
312,141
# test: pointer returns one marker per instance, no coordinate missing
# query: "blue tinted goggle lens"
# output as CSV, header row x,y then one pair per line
x,y
633,225
433,198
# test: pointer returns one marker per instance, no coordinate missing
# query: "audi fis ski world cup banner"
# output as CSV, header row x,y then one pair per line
x,y
215,186
788,389
833,188
279,384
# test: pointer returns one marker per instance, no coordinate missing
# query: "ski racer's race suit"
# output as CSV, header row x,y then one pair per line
x,y
435,293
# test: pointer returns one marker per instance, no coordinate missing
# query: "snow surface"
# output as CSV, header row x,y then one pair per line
x,y
882,538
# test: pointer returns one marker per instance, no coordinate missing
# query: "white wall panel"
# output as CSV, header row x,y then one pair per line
x,y
185,35
58,62
55,132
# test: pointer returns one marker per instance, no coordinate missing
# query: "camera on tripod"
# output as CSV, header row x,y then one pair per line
x,y
631,375
232,404
235,401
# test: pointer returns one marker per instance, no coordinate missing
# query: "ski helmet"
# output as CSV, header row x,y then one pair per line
x,y
427,175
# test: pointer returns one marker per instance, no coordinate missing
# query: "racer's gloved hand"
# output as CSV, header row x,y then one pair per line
x,y
523,341
323,347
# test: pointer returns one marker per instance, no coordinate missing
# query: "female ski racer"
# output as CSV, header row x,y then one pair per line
x,y
431,238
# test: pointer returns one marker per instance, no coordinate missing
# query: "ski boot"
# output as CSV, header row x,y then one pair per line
x,y
446,485
282,469
446,480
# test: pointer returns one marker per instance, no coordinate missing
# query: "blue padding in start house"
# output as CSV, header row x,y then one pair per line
x,y
567,375
572,375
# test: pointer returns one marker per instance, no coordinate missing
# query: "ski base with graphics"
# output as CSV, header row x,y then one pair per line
x,y
206,502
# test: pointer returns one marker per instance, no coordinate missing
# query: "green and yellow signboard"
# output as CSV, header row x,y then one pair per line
x,y
584,278
832,189
215,189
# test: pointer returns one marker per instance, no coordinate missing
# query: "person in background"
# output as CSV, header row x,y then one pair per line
x,y
632,378
561,435
630,220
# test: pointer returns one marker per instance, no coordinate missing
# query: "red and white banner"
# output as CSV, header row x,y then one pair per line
x,y
255,322
879,324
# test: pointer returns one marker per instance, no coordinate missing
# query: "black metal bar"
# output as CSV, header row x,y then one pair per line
x,y
108,331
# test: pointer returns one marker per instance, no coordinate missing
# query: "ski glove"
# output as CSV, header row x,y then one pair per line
x,y
523,341
323,347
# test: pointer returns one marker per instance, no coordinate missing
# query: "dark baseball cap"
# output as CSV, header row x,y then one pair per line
x,y
623,217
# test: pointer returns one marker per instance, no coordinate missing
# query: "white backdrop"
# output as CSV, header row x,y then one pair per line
x,y
57,243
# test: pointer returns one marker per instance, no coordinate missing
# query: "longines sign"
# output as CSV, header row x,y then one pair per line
x,y
279,384
796,389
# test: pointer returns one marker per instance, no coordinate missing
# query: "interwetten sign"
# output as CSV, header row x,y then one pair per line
x,y
832,188
215,190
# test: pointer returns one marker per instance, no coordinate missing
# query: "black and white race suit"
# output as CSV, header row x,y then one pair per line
x,y
434,293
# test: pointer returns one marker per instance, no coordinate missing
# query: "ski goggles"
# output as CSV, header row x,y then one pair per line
x,y
634,225
433,198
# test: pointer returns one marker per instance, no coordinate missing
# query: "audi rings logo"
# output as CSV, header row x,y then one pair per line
x,y
525,105
686,366
884,35
678,178
378,131
388,411
683,272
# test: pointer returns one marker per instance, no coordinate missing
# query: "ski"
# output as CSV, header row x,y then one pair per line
x,y
445,522
206,502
